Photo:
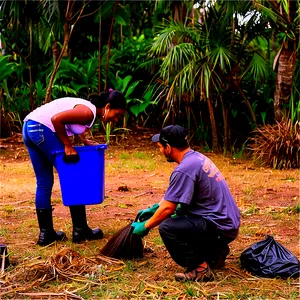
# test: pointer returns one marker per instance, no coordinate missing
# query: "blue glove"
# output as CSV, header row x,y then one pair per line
x,y
139,228
145,214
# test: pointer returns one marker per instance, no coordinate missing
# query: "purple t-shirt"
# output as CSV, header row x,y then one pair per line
x,y
198,183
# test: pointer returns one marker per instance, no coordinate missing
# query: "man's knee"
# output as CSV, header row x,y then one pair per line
x,y
163,228
166,227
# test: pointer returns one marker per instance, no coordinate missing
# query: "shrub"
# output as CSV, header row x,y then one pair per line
x,y
278,145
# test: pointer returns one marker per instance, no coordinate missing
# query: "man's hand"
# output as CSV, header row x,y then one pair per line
x,y
139,228
147,213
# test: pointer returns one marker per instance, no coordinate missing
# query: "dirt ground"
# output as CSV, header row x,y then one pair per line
x,y
267,199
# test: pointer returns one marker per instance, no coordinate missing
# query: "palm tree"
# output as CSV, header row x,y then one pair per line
x,y
283,17
201,61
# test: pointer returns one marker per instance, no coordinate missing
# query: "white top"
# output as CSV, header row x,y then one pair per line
x,y
44,113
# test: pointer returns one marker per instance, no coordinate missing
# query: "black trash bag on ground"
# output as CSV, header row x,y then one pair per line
x,y
268,258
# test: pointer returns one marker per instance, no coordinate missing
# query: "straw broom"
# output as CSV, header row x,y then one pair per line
x,y
124,244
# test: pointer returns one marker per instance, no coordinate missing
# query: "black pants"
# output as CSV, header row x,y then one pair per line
x,y
191,240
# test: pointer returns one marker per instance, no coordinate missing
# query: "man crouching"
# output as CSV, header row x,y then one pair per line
x,y
198,216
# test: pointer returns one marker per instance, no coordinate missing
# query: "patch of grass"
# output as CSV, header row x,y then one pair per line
x,y
29,223
157,241
140,155
129,266
253,230
239,153
132,162
138,167
283,215
289,178
294,295
8,209
56,200
248,191
253,209
125,156
3,231
189,291
292,209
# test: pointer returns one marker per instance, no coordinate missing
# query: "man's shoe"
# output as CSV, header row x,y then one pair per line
x,y
198,274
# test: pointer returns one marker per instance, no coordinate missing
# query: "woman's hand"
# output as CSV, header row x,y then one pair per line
x,y
88,142
71,155
69,150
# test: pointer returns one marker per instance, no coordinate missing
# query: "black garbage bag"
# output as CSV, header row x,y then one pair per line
x,y
268,258
124,244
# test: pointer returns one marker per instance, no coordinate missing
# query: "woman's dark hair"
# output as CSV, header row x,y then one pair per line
x,y
112,97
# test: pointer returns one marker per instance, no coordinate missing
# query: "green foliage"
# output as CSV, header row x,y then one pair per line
x,y
78,78
140,105
127,87
107,132
292,209
192,61
277,146
239,152
131,55
40,92
7,67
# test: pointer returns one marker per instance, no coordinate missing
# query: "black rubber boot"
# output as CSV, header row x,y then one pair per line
x,y
47,233
81,230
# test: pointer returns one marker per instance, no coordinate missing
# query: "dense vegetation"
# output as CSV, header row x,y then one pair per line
x,y
220,68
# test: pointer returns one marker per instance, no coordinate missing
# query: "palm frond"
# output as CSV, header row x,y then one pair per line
x,y
172,33
220,56
258,67
177,58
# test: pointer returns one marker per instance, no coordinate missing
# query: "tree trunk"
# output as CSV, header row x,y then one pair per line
x,y
99,56
284,80
55,53
179,11
247,103
109,45
214,132
57,64
225,126
67,37
31,97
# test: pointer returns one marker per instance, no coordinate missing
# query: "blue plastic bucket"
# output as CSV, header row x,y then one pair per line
x,y
82,182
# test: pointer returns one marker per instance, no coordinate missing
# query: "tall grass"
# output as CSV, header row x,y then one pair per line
x,y
277,146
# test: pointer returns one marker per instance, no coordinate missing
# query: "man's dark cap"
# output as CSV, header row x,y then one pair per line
x,y
174,135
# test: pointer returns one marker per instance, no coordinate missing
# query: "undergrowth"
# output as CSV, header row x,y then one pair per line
x,y
277,146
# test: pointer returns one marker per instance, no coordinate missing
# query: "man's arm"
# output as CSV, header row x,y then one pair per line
x,y
166,208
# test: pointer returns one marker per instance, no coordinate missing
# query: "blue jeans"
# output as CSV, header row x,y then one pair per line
x,y
41,142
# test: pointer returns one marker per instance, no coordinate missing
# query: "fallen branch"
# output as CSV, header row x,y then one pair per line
x,y
142,194
12,203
